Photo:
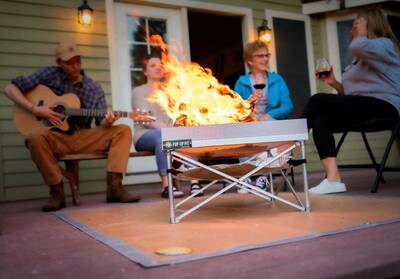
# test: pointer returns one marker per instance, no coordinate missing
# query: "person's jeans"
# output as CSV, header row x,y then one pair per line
x,y
151,141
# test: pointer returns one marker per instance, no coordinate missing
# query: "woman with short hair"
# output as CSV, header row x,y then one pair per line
x,y
265,89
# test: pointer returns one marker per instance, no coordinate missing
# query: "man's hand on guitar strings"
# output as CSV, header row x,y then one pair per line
x,y
110,118
47,113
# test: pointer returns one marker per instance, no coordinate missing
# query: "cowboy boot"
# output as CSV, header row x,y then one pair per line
x,y
115,191
57,198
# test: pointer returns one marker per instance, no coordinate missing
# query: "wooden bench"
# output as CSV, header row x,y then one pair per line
x,y
71,170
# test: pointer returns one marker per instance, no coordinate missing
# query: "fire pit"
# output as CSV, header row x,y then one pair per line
x,y
236,140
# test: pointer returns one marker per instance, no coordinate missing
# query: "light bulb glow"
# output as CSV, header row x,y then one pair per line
x,y
86,19
265,37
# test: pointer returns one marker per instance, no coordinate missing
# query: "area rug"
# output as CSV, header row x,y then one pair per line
x,y
229,224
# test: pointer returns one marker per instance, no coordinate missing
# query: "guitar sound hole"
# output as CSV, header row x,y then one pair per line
x,y
60,109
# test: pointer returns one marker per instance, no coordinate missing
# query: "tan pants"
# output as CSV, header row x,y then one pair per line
x,y
46,146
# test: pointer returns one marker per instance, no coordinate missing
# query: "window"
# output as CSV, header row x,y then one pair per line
x,y
139,30
339,37
344,38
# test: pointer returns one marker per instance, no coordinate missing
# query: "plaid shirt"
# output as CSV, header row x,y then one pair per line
x,y
89,92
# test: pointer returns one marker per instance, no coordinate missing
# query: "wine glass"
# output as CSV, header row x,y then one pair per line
x,y
322,68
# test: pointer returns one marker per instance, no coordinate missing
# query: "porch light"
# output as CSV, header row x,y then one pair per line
x,y
264,32
85,14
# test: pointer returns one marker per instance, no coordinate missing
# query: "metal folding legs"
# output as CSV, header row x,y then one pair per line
x,y
234,182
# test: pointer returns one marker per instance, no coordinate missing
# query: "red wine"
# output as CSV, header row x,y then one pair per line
x,y
323,74
259,86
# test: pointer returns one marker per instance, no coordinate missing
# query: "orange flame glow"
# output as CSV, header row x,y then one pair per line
x,y
191,95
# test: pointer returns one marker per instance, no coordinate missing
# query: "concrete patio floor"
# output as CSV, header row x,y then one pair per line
x,y
34,244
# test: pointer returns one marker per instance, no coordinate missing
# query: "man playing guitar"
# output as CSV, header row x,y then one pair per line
x,y
46,145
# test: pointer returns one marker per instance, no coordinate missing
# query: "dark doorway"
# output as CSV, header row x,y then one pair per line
x,y
216,43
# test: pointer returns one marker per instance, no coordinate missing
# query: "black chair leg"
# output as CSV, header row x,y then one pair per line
x,y
371,155
339,145
292,174
395,134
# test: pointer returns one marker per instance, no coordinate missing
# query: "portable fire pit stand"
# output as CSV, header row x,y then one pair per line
x,y
188,145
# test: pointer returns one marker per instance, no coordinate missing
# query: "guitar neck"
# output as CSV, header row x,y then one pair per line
x,y
92,112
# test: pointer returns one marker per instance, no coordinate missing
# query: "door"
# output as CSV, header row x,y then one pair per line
x,y
133,24
221,47
292,56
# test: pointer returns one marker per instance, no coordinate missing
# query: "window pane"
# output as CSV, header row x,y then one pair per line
x,y
344,38
155,51
137,54
136,29
158,27
139,47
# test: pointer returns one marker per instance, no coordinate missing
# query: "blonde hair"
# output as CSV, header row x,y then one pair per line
x,y
378,26
251,48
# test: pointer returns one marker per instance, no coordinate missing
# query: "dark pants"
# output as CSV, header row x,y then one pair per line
x,y
329,113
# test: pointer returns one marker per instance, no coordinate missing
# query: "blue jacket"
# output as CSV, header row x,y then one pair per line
x,y
279,103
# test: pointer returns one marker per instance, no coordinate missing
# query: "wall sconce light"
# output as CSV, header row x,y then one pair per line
x,y
264,32
85,14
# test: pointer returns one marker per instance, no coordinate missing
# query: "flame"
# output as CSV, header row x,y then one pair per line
x,y
191,95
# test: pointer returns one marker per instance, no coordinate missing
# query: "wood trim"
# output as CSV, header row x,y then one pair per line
x,y
334,5
185,33
111,44
358,3
320,7
207,6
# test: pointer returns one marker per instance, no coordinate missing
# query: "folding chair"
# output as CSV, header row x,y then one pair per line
x,y
376,125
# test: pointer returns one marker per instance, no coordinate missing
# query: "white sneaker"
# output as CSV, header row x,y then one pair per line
x,y
261,182
328,187
244,190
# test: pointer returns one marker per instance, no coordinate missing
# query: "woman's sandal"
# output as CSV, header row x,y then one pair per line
x,y
195,188
177,193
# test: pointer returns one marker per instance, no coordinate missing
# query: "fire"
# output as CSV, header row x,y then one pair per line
x,y
191,95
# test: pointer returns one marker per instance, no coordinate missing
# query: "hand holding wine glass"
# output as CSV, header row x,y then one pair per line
x,y
258,85
322,68
324,71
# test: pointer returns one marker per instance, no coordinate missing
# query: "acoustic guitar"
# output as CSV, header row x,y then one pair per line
x,y
67,105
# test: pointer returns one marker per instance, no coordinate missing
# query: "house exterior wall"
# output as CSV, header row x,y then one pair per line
x,y
29,33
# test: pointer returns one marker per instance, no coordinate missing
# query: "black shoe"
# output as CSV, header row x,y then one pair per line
x,y
196,188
